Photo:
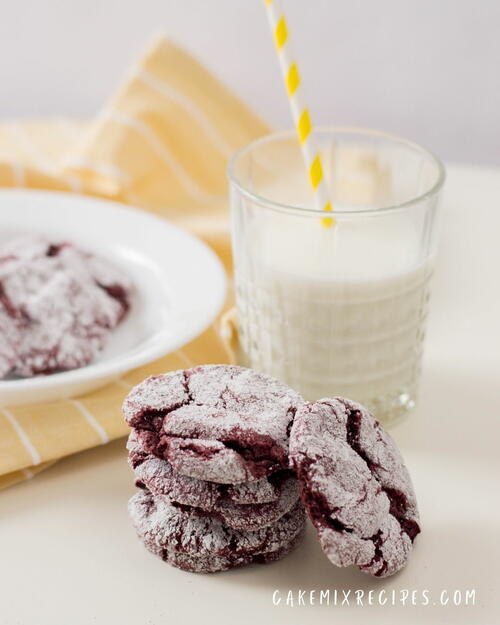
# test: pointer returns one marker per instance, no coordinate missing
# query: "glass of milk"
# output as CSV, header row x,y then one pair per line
x,y
336,310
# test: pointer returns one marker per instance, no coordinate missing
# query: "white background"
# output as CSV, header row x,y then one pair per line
x,y
426,69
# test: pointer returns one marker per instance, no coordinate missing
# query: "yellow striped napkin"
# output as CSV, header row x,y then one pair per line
x,y
162,144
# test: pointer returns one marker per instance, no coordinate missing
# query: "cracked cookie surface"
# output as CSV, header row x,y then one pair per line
x,y
163,526
213,564
58,305
216,423
241,506
355,486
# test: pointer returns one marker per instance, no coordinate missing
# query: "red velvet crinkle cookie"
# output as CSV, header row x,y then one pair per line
x,y
240,506
354,485
162,526
169,486
213,564
255,516
10,339
215,422
58,302
159,477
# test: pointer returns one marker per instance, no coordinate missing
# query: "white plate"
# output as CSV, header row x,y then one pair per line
x,y
179,283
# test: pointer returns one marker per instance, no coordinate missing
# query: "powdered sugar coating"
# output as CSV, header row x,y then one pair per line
x,y
386,463
159,477
10,339
209,460
213,564
265,490
355,487
157,395
61,310
255,516
219,423
245,516
160,523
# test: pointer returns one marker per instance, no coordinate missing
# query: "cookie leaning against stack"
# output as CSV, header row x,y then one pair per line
x,y
355,486
213,449
209,449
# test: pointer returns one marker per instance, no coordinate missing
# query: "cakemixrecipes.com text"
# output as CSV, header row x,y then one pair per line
x,y
359,597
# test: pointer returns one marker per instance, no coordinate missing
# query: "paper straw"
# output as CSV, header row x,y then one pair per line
x,y
300,113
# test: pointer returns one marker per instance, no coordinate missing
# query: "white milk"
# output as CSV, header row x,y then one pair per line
x,y
334,311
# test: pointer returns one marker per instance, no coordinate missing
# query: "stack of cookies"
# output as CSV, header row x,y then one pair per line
x,y
210,451
213,449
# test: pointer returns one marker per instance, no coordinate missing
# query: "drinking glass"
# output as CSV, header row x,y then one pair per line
x,y
336,308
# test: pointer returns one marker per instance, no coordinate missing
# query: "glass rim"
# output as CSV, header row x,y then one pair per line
x,y
259,199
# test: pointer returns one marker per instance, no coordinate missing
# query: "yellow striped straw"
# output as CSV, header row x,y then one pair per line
x,y
300,113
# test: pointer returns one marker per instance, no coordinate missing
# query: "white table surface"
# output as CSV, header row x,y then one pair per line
x,y
69,556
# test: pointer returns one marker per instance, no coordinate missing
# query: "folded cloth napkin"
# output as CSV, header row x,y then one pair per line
x,y
162,145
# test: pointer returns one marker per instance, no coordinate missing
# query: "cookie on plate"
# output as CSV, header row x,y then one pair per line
x,y
216,423
62,301
354,485
10,337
